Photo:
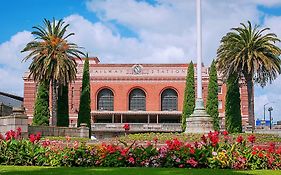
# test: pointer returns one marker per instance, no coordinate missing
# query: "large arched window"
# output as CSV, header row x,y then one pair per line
x,y
169,100
137,100
105,100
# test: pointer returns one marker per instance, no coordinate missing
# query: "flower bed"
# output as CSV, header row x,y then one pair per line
x,y
214,150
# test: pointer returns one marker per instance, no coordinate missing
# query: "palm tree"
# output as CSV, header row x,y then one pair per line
x,y
52,57
252,54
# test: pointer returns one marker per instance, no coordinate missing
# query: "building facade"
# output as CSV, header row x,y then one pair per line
x,y
148,96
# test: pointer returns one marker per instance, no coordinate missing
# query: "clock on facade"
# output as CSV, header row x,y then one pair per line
x,y
137,69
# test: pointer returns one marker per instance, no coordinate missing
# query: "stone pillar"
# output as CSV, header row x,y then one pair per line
x,y
121,118
16,120
112,118
84,130
157,118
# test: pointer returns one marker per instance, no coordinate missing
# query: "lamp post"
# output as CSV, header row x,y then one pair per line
x,y
269,110
264,110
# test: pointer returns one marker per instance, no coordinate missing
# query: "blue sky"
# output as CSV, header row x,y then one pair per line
x,y
135,31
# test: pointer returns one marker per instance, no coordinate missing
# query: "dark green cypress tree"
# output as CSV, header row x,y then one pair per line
x,y
189,95
84,115
63,113
212,99
233,121
41,113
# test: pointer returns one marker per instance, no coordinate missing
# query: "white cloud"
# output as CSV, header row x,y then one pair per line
x,y
11,67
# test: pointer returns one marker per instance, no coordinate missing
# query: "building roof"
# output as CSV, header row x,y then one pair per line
x,y
10,99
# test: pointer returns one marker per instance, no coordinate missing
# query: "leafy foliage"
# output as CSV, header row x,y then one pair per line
x,y
233,117
212,99
63,111
189,95
84,115
251,53
41,109
215,150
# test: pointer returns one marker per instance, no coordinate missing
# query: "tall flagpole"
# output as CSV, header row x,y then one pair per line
x,y
199,49
199,121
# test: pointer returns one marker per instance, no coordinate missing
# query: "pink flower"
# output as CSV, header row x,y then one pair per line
x,y
67,138
131,160
192,162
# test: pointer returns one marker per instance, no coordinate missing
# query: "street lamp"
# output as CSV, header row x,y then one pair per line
x,y
264,109
269,110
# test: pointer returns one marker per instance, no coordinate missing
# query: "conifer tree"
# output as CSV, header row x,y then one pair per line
x,y
212,99
189,95
63,113
41,113
84,115
233,121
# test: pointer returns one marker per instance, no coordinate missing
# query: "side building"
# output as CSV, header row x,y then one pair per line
x,y
148,96
8,101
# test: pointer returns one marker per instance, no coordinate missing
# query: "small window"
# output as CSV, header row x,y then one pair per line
x,y
219,89
220,104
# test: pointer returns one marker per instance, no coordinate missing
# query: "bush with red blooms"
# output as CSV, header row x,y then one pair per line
x,y
210,152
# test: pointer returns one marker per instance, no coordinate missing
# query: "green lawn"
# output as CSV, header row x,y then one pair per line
x,y
23,170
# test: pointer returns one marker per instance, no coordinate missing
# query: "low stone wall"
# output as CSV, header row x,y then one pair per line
x,y
14,121
269,131
82,131
19,120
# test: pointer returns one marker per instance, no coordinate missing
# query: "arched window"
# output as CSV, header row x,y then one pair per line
x,y
105,100
169,100
137,100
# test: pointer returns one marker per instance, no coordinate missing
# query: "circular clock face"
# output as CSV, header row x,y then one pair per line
x,y
137,69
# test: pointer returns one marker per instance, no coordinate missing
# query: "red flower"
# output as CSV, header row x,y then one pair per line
x,y
252,138
192,151
254,152
124,152
260,155
239,139
126,127
10,135
214,138
225,133
32,138
38,136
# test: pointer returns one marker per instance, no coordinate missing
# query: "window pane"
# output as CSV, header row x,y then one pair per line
x,y
105,100
137,101
169,100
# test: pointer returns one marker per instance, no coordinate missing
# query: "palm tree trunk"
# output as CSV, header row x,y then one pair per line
x,y
54,103
250,90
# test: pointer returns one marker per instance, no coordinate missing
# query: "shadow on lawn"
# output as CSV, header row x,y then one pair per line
x,y
114,171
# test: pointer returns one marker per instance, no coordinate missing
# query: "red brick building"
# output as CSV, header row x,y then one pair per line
x,y
149,96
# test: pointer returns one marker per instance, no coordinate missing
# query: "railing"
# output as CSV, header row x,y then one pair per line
x,y
137,127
